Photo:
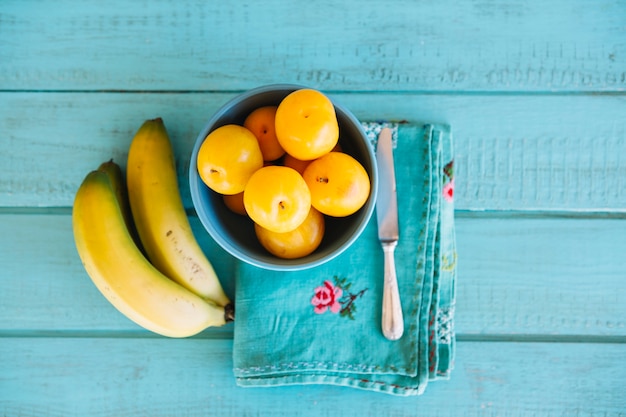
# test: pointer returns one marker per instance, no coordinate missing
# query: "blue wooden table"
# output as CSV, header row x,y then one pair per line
x,y
535,92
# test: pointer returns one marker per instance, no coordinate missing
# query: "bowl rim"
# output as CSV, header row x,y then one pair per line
x,y
234,250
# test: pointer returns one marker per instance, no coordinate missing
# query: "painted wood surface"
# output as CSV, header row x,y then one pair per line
x,y
521,278
352,45
535,93
512,152
158,377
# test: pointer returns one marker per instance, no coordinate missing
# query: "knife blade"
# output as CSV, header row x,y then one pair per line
x,y
388,234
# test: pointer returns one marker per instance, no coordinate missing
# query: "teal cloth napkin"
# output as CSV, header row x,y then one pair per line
x,y
322,325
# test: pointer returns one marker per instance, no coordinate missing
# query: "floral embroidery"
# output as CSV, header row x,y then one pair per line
x,y
330,296
448,263
448,182
448,191
327,296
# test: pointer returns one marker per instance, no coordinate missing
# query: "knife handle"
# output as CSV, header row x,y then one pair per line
x,y
392,321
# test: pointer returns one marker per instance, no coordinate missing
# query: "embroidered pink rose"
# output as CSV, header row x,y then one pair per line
x,y
337,297
327,296
448,182
448,191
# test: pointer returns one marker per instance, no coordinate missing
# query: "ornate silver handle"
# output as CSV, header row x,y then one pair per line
x,y
392,322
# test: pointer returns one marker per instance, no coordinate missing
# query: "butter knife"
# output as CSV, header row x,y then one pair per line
x,y
388,234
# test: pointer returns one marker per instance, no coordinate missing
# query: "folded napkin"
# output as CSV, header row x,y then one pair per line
x,y
322,325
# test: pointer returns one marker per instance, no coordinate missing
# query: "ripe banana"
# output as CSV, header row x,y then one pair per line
x,y
124,276
118,183
160,217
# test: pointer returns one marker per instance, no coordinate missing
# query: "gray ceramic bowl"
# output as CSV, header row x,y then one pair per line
x,y
235,233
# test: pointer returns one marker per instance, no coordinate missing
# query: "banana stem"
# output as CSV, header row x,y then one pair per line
x,y
229,312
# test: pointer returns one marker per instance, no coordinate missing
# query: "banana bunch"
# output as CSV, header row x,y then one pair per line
x,y
172,290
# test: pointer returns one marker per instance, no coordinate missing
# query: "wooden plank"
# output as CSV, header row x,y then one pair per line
x,y
518,277
541,276
512,152
44,286
114,377
474,45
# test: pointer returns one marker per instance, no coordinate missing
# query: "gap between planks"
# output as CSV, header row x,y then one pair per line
x,y
461,214
226,334
469,92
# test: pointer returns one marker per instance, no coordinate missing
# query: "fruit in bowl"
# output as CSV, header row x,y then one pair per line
x,y
338,183
297,197
277,198
306,124
228,157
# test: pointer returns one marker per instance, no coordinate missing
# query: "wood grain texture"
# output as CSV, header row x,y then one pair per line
x,y
44,286
116,377
518,277
535,93
353,45
541,276
512,152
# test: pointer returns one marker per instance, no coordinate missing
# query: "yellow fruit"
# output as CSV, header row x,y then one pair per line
x,y
306,124
261,123
234,202
338,183
124,276
228,157
118,182
160,216
277,198
295,244
297,164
